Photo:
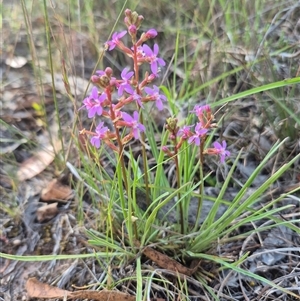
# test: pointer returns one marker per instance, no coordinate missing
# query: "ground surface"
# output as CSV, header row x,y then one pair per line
x,y
28,168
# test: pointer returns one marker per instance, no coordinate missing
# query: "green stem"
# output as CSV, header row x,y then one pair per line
x,y
121,159
178,186
143,136
201,186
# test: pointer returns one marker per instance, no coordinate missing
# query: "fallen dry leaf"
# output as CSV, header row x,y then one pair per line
x,y
38,162
46,212
37,289
56,191
168,263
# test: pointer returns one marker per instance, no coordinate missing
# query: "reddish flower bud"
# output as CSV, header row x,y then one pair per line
x,y
132,18
139,21
108,71
151,77
127,12
172,137
151,33
127,21
95,79
132,30
165,149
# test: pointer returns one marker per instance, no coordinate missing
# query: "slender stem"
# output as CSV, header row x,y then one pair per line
x,y
145,163
178,186
121,158
143,136
201,186
119,141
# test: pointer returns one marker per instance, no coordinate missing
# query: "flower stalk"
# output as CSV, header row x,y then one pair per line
x,y
129,88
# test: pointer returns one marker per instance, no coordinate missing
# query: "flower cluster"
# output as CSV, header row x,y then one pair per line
x,y
196,136
129,88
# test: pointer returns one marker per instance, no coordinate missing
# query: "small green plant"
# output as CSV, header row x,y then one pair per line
x,y
131,88
187,145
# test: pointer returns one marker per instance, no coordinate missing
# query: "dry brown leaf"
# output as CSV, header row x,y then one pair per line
x,y
38,162
37,289
168,263
46,212
56,191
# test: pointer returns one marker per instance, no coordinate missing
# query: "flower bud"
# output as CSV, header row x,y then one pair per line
x,y
172,137
103,81
132,18
103,77
172,124
127,21
151,33
151,77
139,21
95,79
108,71
127,12
132,30
165,149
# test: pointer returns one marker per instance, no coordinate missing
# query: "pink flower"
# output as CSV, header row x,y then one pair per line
x,y
221,150
100,134
139,51
93,103
185,132
133,122
115,39
152,58
200,109
125,83
154,95
204,115
199,132
137,97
